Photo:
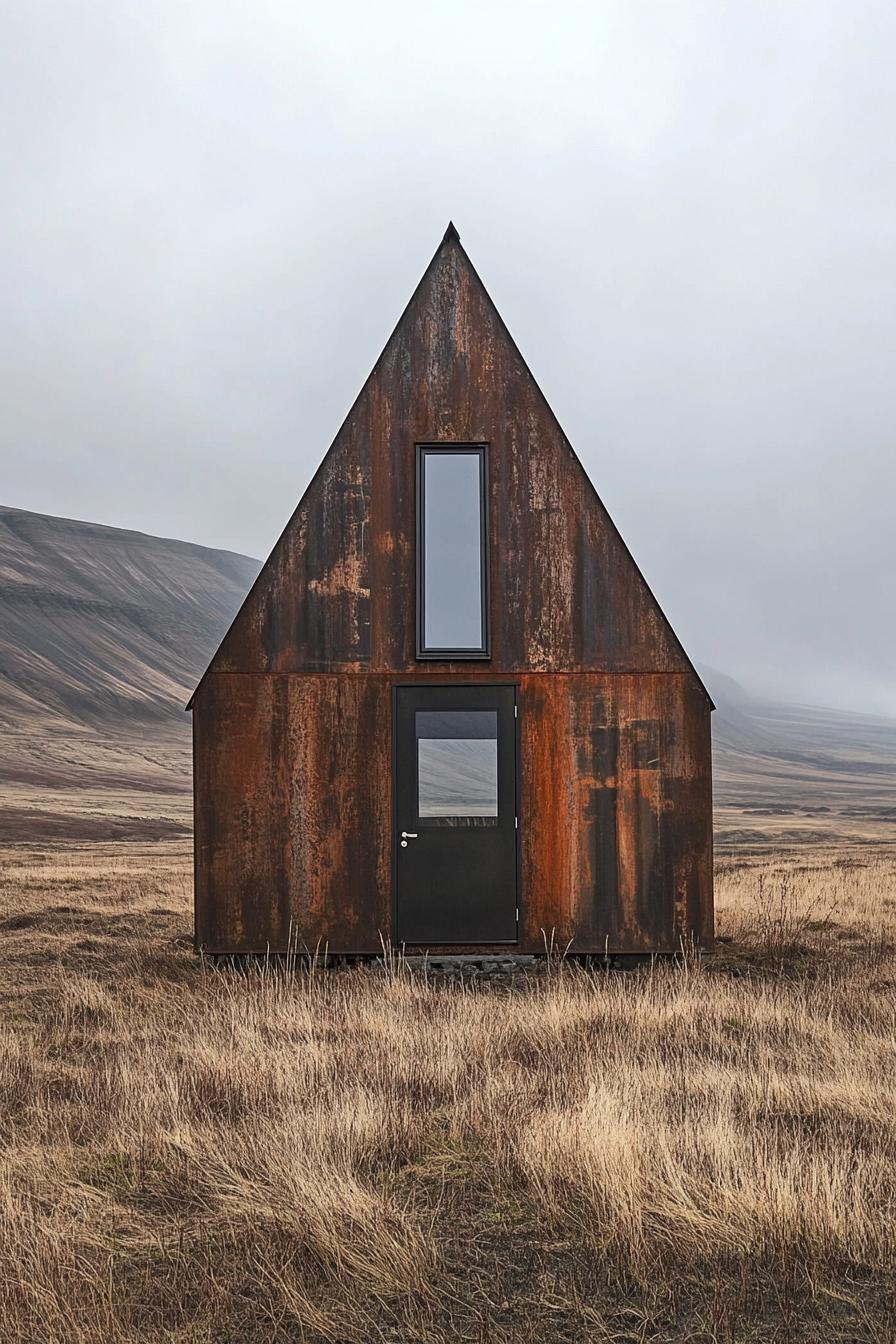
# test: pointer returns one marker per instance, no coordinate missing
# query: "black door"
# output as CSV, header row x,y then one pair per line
x,y
455,814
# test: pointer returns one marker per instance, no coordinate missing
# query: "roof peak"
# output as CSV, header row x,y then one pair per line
x,y
451,234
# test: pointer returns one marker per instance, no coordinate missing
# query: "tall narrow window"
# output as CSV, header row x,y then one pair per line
x,y
452,552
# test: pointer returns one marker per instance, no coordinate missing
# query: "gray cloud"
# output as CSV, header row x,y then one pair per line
x,y
212,216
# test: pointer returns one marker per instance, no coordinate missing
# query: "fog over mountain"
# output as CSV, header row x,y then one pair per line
x,y
686,213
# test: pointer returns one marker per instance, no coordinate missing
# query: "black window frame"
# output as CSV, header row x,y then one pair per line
x,y
445,449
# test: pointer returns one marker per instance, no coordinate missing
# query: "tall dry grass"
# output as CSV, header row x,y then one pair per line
x,y
699,1152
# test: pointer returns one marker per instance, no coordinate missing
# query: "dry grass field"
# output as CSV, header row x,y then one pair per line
x,y
697,1152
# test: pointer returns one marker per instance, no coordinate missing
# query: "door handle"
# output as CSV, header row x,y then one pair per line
x,y
406,836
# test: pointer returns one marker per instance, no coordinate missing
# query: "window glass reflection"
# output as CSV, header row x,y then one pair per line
x,y
457,763
452,550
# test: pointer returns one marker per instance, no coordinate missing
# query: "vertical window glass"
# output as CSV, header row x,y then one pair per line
x,y
451,551
457,766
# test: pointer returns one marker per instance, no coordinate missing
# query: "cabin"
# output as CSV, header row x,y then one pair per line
x,y
450,714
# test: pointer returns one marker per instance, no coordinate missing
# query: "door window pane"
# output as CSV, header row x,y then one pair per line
x,y
452,550
457,763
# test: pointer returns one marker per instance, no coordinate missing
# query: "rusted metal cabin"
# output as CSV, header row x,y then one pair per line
x,y
450,713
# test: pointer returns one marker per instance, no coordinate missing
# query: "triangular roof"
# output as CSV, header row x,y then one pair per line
x,y
449,281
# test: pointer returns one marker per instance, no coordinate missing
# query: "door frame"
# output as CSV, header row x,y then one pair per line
x,y
438,684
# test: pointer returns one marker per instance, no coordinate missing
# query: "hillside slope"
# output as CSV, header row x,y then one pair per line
x,y
103,635
102,627
798,774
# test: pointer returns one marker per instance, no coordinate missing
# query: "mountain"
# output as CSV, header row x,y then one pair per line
x,y
798,774
104,634
100,626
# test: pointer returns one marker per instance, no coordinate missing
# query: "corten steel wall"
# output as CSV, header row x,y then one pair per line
x,y
292,721
294,814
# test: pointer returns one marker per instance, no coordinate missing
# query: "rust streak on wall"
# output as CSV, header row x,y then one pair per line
x,y
294,812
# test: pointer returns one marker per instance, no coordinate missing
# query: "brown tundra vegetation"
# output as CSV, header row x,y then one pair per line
x,y
703,1151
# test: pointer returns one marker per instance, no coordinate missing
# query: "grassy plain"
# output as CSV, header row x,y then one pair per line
x,y
700,1152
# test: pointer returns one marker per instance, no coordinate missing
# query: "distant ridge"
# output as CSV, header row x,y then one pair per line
x,y
790,774
100,625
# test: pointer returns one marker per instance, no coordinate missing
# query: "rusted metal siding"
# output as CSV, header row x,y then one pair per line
x,y
293,733
616,811
338,593
293,812
294,818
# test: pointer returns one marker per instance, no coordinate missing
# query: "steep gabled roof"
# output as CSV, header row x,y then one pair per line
x,y
447,367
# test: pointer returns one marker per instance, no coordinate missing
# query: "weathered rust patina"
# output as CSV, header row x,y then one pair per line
x,y
292,720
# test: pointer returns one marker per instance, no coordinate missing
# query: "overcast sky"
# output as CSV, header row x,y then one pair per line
x,y
211,215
